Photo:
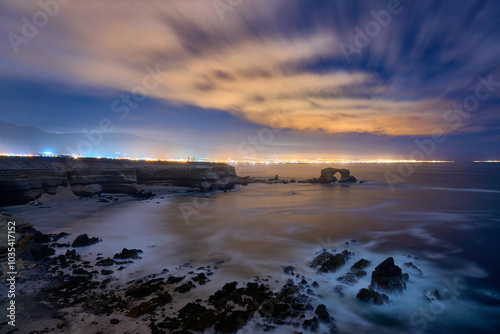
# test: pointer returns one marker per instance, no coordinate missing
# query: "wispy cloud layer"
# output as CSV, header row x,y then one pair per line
x,y
268,58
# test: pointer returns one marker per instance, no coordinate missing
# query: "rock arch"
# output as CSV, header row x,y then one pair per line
x,y
327,175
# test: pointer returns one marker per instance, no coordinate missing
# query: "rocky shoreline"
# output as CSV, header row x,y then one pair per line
x,y
28,179
25,179
67,283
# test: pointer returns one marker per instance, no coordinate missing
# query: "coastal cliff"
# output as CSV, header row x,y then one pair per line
x,y
24,179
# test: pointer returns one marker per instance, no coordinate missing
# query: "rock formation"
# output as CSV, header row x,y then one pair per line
x,y
327,176
24,179
388,277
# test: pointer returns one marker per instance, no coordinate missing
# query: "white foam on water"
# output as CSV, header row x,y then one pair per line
x,y
256,237
475,190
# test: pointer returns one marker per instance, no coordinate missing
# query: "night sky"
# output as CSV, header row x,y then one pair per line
x,y
340,78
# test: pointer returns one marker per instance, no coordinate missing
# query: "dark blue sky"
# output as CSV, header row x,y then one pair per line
x,y
338,78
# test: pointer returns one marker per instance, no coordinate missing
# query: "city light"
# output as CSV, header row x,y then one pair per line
x,y
242,160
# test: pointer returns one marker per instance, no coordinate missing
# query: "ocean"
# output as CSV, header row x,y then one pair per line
x,y
443,218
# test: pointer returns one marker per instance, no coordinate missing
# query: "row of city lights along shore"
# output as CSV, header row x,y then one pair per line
x,y
243,160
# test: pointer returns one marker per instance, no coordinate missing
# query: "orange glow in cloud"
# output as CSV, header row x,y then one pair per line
x,y
218,64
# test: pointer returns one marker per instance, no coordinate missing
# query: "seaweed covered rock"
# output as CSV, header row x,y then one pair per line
x,y
193,317
355,272
311,324
327,262
185,287
360,265
201,279
150,305
371,296
145,289
223,316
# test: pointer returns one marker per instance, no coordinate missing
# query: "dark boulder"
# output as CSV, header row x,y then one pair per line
x,y
83,240
144,195
361,264
388,277
201,279
371,296
149,306
174,279
37,251
323,314
328,262
105,262
195,317
128,254
41,238
311,324
81,271
145,289
352,179
185,287
72,255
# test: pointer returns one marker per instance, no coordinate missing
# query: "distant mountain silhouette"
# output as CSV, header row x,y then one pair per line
x,y
28,139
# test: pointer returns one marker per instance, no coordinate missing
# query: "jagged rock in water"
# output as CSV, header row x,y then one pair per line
x,y
328,262
105,262
289,270
41,238
128,254
414,267
185,287
83,240
431,296
311,324
323,314
371,296
361,264
37,251
327,175
145,289
149,306
388,277
201,279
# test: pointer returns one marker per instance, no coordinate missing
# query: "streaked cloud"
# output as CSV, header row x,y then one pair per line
x,y
266,58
